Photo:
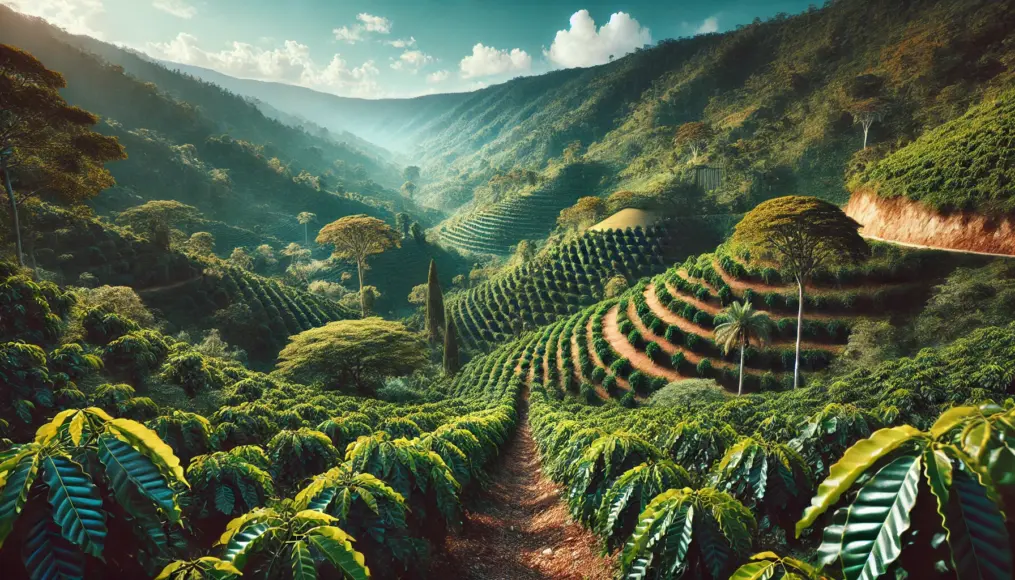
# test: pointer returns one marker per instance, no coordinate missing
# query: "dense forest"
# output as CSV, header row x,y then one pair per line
x,y
606,322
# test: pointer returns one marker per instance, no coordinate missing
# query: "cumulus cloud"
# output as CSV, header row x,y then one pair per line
x,y
488,61
411,61
403,42
291,63
367,23
583,45
74,16
177,8
710,24
437,77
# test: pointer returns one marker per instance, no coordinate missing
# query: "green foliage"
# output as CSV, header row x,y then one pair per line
x,y
956,166
352,354
106,478
30,311
299,454
227,483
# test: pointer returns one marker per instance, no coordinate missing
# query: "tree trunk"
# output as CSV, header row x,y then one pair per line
x,y
362,299
799,331
14,214
740,389
306,235
866,130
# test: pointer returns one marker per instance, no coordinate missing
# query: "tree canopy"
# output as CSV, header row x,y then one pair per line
x,y
585,212
352,354
356,238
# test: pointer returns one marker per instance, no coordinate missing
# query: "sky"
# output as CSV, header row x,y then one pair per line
x,y
394,48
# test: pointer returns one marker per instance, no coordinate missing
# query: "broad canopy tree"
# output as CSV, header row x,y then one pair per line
x,y
804,234
356,238
47,144
352,353
693,136
584,213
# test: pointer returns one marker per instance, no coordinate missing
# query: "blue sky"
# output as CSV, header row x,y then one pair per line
x,y
394,48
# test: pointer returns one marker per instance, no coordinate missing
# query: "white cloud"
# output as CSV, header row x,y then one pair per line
x,y
489,61
403,42
74,16
371,23
367,23
411,60
583,45
710,24
291,63
177,8
437,77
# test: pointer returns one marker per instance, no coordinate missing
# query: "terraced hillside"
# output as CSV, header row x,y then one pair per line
x,y
661,330
570,276
253,312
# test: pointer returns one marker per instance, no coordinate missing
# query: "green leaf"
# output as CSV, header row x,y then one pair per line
x,y
872,538
951,419
336,546
225,499
854,462
976,532
15,492
303,562
47,554
77,427
125,466
831,540
937,467
244,541
77,506
148,443
755,571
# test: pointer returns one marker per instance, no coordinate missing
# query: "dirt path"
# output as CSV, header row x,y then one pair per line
x,y
937,248
169,286
519,529
639,360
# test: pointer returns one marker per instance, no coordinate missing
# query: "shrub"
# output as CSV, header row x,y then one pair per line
x,y
704,367
653,350
598,374
677,360
690,393
621,367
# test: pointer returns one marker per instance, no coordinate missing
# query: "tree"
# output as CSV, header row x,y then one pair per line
x,y
804,233
451,362
411,173
417,233
865,113
693,136
305,217
402,221
571,152
525,251
48,143
584,213
296,253
408,189
201,243
158,218
356,238
241,259
356,353
741,323
615,286
434,305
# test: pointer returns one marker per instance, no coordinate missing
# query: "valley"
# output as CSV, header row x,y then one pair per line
x,y
737,305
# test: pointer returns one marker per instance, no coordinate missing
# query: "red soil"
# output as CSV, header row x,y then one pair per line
x,y
512,524
911,222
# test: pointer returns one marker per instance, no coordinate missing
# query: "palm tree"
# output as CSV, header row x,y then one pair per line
x,y
740,324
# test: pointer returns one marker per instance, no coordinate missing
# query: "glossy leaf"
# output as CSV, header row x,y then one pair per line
x,y
336,546
303,562
47,554
77,506
872,537
125,466
976,532
15,492
854,462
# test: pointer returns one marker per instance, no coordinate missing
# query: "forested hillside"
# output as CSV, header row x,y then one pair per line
x,y
778,99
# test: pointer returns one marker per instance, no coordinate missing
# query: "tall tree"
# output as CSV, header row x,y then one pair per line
x,y
402,221
305,217
451,362
741,324
584,213
434,305
865,113
804,234
411,173
693,136
356,238
47,143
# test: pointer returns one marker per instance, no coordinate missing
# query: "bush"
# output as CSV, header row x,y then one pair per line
x,y
690,393
598,374
653,350
677,360
639,381
704,367
621,367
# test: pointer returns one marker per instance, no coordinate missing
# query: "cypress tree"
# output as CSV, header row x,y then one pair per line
x,y
434,306
450,348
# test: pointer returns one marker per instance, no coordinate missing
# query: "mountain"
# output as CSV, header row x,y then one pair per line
x,y
776,96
